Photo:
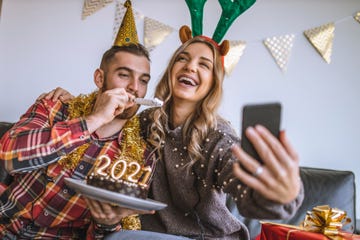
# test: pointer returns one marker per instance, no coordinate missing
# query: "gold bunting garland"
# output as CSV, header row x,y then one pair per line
x,y
91,6
232,58
155,32
321,38
357,17
280,48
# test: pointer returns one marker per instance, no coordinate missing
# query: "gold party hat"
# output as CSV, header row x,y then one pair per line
x,y
127,31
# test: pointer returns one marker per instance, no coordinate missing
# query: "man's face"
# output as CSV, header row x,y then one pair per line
x,y
130,72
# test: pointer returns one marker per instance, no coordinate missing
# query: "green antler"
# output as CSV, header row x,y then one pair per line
x,y
196,8
231,9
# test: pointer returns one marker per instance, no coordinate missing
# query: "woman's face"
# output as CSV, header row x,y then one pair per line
x,y
192,73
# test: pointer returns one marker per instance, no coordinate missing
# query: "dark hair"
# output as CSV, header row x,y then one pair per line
x,y
134,48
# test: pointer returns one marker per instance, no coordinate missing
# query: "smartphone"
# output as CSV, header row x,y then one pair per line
x,y
266,114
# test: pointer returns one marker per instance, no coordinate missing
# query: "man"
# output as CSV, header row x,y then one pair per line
x,y
53,140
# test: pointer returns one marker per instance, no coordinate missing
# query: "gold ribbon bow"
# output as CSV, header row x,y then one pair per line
x,y
325,220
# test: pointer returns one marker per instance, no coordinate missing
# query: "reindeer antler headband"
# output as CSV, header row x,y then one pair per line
x,y
231,9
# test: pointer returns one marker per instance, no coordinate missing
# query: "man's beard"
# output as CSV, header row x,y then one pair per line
x,y
127,113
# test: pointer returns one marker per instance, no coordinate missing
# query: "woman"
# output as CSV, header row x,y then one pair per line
x,y
200,161
197,168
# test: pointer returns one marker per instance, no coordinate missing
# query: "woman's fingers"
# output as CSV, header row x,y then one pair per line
x,y
251,172
288,147
277,176
43,95
245,160
56,94
275,145
261,141
62,95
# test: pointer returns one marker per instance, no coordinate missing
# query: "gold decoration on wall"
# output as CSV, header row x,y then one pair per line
x,y
357,17
280,48
155,33
233,56
120,11
322,39
91,6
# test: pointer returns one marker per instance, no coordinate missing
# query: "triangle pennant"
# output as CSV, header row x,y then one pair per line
x,y
357,17
91,6
155,33
280,48
322,39
233,56
120,11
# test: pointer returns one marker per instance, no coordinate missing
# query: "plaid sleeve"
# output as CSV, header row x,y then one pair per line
x,y
41,136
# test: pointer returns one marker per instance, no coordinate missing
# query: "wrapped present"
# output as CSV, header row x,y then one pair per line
x,y
275,231
322,223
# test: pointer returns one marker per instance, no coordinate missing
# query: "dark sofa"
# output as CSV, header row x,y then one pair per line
x,y
322,187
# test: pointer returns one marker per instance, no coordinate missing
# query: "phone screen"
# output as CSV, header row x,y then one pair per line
x,y
266,114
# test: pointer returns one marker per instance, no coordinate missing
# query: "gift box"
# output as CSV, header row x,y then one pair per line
x,y
274,231
322,223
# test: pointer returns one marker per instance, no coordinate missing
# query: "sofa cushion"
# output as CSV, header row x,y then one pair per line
x,y
322,187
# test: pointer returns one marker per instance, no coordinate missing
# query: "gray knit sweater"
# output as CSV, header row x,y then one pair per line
x,y
196,192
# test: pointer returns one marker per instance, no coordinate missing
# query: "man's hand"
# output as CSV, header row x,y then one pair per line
x,y
108,214
108,105
278,177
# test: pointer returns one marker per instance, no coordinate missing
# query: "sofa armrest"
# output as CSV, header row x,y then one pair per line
x,y
5,177
322,187
4,126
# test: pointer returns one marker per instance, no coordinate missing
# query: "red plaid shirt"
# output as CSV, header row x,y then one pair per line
x,y
38,204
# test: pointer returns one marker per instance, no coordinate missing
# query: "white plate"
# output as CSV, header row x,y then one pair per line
x,y
108,196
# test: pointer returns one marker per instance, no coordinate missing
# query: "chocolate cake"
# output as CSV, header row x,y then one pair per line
x,y
119,186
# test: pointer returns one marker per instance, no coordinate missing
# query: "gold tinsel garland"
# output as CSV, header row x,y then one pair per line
x,y
132,145
78,107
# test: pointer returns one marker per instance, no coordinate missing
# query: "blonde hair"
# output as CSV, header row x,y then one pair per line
x,y
202,120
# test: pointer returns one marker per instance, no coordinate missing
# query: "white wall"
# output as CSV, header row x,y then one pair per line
x,y
44,44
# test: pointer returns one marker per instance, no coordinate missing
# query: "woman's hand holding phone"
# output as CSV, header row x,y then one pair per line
x,y
274,170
